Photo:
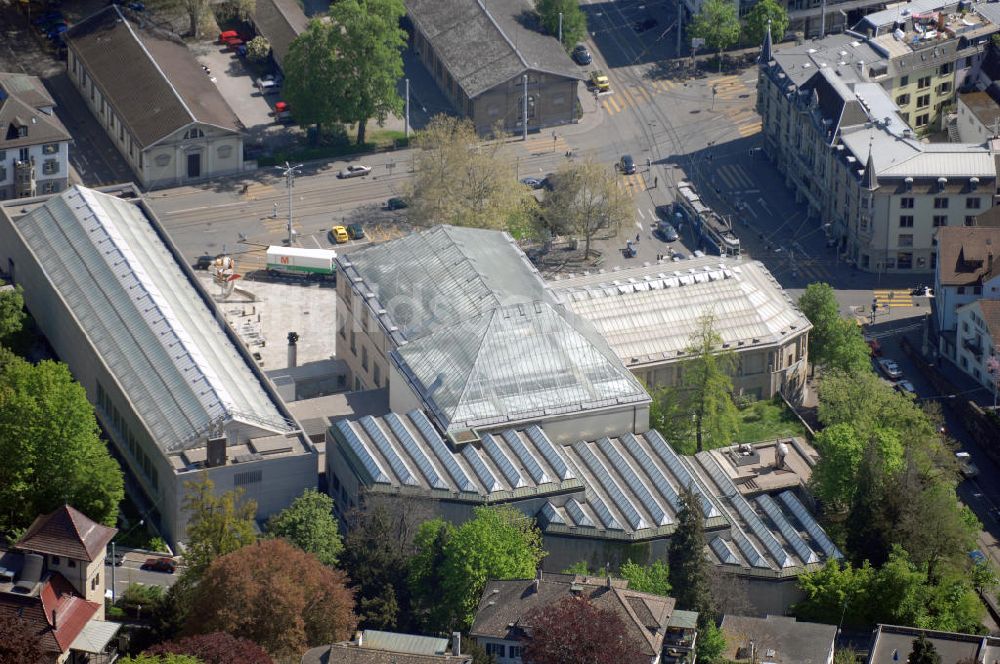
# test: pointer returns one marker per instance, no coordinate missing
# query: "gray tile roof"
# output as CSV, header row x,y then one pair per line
x,y
902,157
21,97
505,605
792,642
153,83
892,644
484,43
280,21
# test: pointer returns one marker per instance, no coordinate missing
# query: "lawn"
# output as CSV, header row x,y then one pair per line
x,y
767,420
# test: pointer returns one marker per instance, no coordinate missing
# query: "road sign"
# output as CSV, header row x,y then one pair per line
x,y
697,42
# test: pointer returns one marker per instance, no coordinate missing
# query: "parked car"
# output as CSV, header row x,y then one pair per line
x,y
339,234
269,85
627,164
165,565
890,368
354,171
533,182
282,112
227,34
906,387
666,232
204,262
965,465
355,231
396,203
117,560
233,43
581,55
600,81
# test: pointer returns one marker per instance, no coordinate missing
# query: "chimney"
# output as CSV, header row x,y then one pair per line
x,y
293,350
456,643
55,624
216,454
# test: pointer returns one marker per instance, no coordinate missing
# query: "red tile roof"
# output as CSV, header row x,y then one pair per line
x,y
72,612
67,532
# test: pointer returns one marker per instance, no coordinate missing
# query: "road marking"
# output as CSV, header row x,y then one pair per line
x,y
545,143
893,298
751,129
639,210
641,94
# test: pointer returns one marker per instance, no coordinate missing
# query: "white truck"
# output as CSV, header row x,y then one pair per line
x,y
313,263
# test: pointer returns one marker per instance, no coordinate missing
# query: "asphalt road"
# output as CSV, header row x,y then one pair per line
x,y
129,572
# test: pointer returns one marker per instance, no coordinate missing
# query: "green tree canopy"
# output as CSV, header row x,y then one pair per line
x,y
835,342
841,449
217,524
706,387
369,44
711,643
11,311
51,446
309,524
756,20
426,575
465,180
687,561
718,23
498,543
585,199
653,578
574,21
313,85
923,652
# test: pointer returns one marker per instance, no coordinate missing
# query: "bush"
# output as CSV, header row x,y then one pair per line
x,y
258,49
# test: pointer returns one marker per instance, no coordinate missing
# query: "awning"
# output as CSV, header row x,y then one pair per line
x,y
95,636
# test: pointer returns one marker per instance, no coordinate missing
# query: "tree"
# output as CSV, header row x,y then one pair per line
x,y
197,11
718,23
161,659
19,644
841,449
711,643
217,525
983,576
834,342
463,180
706,387
757,19
669,414
313,85
51,446
686,557
426,575
214,648
654,578
923,652
574,631
376,552
497,543
278,596
369,45
845,656
836,592
574,21
258,49
11,311
586,198
309,524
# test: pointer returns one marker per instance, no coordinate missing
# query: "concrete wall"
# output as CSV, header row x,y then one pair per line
x,y
970,127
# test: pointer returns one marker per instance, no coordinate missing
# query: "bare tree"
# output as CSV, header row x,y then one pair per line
x,y
586,198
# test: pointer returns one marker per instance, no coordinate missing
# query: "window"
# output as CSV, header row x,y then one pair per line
x,y
977,290
906,203
906,221
194,133
343,328
904,260
377,375
55,560
961,291
50,148
49,187
972,203
923,101
50,166
515,652
970,220
72,563
944,88
364,358
496,649
354,346
904,80
248,477
940,220
924,82
940,203
947,68
903,100
905,240
922,120
23,154
3,173
121,133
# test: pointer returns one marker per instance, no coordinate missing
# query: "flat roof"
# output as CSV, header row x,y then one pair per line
x,y
147,320
648,314
893,643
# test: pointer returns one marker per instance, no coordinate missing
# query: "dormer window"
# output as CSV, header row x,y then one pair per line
x,y
16,131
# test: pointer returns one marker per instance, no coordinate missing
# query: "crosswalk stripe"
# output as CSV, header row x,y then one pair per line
x,y
545,144
626,98
610,105
750,130
641,94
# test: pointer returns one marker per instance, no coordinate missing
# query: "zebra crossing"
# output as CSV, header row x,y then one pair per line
x,y
735,178
893,298
545,143
631,96
635,183
257,190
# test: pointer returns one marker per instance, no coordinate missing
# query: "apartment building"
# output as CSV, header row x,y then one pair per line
x,y
842,117
34,144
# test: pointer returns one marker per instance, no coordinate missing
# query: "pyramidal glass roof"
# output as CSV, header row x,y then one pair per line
x,y
513,363
155,333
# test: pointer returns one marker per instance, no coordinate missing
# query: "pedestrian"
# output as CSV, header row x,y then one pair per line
x,y
637,238
656,181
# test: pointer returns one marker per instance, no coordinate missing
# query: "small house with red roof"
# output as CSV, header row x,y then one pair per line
x,y
54,580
